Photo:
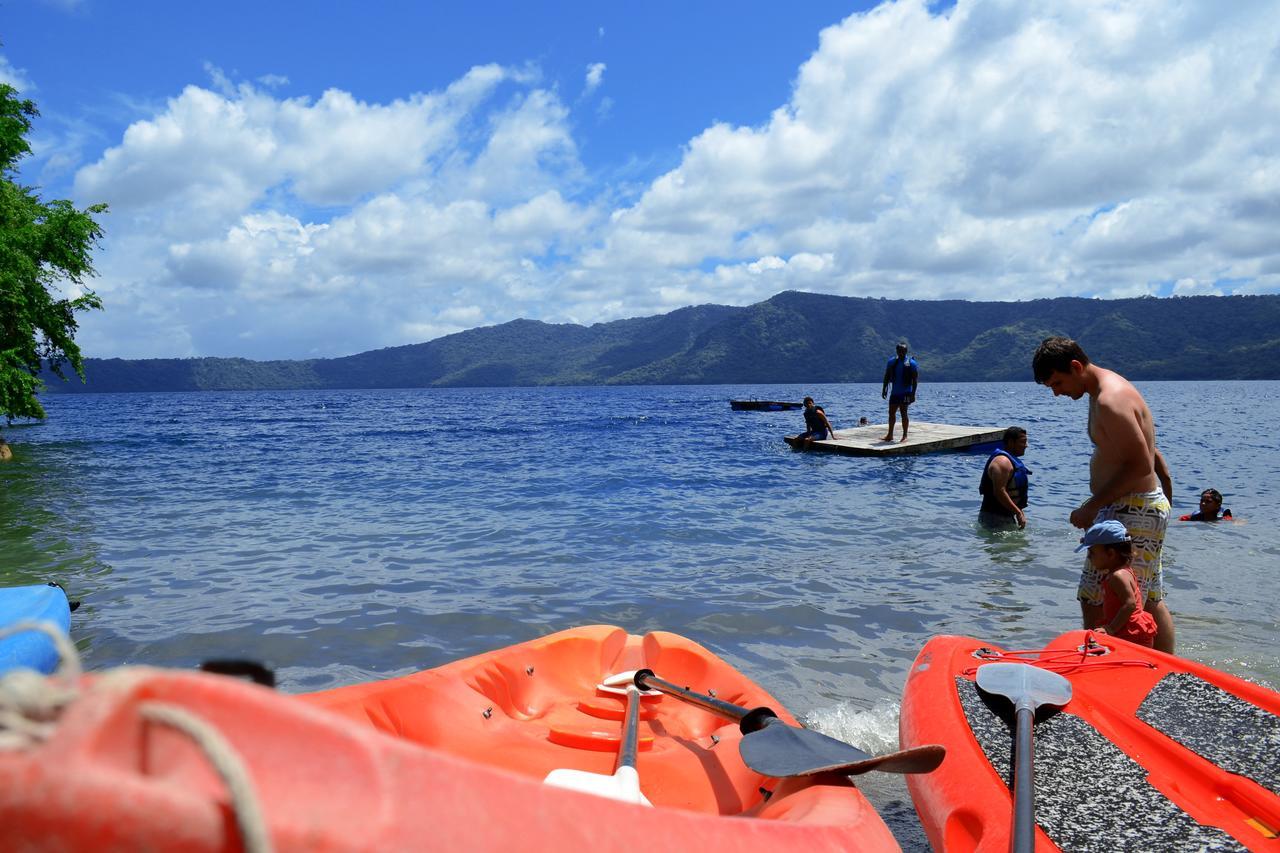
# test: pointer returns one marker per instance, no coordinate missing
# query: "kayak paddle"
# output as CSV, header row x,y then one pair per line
x,y
1028,687
624,784
772,748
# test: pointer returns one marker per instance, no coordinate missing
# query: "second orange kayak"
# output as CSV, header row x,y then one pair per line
x,y
1152,752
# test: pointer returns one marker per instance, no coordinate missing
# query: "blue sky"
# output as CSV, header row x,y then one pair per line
x,y
290,180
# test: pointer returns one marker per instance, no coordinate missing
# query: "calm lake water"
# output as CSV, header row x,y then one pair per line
x,y
347,535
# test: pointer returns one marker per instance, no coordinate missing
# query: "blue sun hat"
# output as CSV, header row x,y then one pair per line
x,y
1109,532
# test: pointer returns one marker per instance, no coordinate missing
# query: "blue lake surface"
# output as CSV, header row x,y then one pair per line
x,y
347,535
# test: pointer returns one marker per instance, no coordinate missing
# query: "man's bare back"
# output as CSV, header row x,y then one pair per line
x,y
1124,438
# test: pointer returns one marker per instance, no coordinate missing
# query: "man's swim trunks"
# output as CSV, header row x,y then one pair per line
x,y
1145,517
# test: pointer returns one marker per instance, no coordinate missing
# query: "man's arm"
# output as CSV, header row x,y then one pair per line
x,y
1162,474
831,431
999,472
888,377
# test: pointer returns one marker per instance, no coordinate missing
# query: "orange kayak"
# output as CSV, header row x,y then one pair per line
x,y
452,758
1151,752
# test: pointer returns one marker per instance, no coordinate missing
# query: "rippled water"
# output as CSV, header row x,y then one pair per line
x,y
342,536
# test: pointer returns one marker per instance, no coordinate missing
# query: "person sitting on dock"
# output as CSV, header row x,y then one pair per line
x,y
1004,482
904,373
1210,505
817,427
1110,550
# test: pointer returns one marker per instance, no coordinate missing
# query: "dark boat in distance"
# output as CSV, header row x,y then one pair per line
x,y
763,405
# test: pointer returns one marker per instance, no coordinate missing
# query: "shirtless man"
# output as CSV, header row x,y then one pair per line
x,y
1128,478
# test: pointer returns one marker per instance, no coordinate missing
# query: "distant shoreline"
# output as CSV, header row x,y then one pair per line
x,y
792,338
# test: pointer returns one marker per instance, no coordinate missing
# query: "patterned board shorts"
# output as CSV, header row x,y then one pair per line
x,y
1145,516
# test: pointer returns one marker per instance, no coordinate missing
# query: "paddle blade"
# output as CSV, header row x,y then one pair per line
x,y
623,785
780,751
917,759
1025,685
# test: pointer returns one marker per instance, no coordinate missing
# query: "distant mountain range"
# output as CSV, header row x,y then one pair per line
x,y
792,337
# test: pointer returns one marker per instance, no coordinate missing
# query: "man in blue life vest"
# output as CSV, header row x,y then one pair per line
x,y
1004,482
903,373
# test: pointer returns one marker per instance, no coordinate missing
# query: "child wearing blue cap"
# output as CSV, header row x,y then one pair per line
x,y
1122,614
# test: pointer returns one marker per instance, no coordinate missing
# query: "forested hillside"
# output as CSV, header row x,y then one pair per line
x,y
792,337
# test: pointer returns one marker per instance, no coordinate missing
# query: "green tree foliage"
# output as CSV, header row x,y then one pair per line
x,y
43,245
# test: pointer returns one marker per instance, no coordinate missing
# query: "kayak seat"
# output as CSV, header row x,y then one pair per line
x,y
526,688
613,708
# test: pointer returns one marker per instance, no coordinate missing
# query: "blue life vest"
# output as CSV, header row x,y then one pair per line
x,y
1017,487
905,372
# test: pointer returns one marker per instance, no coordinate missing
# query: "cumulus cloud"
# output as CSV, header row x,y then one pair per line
x,y
1001,149
15,77
997,149
595,76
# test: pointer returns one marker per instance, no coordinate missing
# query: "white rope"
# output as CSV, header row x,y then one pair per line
x,y
31,704
69,665
227,764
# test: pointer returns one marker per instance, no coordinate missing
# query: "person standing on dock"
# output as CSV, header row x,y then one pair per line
x,y
816,425
1004,482
1128,478
903,373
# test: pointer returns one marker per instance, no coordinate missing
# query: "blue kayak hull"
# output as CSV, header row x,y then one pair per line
x,y
32,649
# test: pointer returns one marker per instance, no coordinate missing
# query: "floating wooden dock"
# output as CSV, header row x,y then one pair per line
x,y
921,438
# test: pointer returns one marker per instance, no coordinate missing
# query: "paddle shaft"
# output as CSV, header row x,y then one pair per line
x,y
1023,839
630,730
748,719
1028,687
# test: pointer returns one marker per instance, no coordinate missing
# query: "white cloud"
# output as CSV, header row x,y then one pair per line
x,y
595,76
998,150
1191,287
15,77
963,154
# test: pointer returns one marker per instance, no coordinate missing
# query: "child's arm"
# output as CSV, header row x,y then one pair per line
x,y
1118,581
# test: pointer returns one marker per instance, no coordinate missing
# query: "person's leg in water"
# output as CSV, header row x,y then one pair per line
x,y
1090,614
1165,637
